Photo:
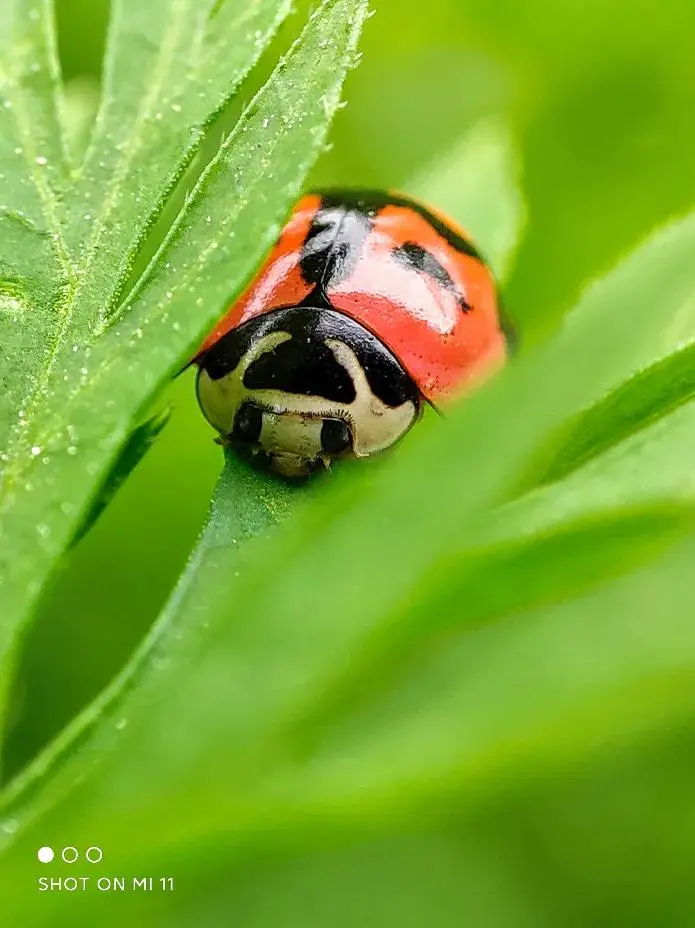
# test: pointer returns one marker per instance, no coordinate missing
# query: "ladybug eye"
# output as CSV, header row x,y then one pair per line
x,y
248,423
335,436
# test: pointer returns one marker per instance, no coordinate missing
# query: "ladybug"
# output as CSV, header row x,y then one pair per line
x,y
369,306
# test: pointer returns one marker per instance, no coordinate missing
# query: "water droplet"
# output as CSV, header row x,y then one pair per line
x,y
36,451
121,724
10,825
87,217
18,150
41,160
176,107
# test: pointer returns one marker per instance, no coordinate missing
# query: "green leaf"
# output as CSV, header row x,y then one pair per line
x,y
539,689
89,380
478,183
526,556
35,266
651,466
639,325
646,397
245,505
82,97
265,745
191,58
138,444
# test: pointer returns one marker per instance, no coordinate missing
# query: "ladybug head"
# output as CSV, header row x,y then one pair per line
x,y
294,388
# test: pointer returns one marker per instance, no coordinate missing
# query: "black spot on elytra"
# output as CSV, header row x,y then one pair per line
x,y
417,258
369,203
333,245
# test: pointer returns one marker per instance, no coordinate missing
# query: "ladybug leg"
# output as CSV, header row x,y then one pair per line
x,y
326,461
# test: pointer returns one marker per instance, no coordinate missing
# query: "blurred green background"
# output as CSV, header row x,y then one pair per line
x,y
601,97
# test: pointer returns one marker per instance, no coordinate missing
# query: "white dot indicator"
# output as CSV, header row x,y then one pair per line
x,y
45,855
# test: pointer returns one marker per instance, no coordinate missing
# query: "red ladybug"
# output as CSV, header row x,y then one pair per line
x,y
368,305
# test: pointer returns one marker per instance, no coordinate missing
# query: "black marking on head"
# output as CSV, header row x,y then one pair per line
x,y
415,257
303,365
248,423
333,245
370,203
335,436
309,327
226,353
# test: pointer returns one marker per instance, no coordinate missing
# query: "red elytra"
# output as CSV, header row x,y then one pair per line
x,y
405,272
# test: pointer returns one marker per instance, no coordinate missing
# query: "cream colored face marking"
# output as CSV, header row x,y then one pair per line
x,y
291,430
375,425
220,399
